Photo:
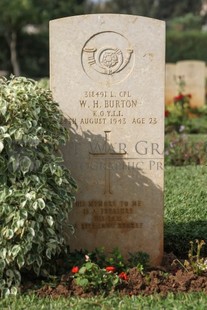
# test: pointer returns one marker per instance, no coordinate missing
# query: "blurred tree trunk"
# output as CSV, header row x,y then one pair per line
x,y
12,41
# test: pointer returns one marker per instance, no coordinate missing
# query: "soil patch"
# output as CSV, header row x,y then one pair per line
x,y
169,277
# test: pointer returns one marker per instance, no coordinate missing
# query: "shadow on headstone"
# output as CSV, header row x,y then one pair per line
x,y
116,202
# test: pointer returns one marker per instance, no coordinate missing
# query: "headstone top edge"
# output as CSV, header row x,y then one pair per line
x,y
122,16
190,61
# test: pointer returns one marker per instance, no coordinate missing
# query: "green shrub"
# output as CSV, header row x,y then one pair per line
x,y
36,191
185,22
183,149
183,45
185,120
44,83
91,277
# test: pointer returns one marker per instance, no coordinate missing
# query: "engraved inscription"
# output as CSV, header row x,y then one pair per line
x,y
107,57
109,107
110,214
106,154
131,225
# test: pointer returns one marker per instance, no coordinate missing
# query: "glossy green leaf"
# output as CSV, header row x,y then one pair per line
x,y
15,250
8,234
3,253
2,265
50,220
41,203
1,146
14,290
20,261
3,107
25,164
10,273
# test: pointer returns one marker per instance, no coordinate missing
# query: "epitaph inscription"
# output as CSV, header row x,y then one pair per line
x,y
107,73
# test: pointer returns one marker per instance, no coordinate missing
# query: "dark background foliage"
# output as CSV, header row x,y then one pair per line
x,y
26,52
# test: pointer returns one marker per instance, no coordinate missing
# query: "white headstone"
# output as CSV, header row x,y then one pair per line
x,y
107,74
193,72
170,83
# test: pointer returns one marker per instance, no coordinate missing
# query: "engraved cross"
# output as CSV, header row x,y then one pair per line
x,y
108,155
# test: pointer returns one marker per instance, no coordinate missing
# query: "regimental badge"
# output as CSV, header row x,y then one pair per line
x,y
108,54
108,60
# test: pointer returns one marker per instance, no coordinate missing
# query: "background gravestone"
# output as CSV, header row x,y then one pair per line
x,y
171,88
107,73
193,72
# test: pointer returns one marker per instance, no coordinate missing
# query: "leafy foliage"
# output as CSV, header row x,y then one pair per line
x,y
180,117
183,149
161,9
36,191
91,276
186,45
103,273
195,262
188,22
139,259
16,16
114,258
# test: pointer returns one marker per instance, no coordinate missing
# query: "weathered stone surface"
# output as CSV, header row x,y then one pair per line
x,y
193,72
107,73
